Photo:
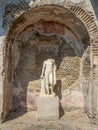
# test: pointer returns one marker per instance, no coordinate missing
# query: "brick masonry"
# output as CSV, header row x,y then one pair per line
x,y
27,97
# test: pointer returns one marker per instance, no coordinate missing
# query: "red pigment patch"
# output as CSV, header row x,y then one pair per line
x,y
53,27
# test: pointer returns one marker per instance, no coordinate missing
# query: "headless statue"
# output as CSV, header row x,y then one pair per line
x,y
48,77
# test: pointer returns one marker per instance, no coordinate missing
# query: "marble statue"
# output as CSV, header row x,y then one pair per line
x,y
48,77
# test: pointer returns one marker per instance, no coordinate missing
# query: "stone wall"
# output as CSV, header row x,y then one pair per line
x,y
24,94
12,9
1,74
30,53
95,7
43,39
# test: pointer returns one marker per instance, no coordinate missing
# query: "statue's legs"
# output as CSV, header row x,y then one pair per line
x,y
51,82
47,82
47,88
51,87
42,86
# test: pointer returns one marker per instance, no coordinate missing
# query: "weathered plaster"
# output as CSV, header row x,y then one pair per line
x,y
1,75
87,20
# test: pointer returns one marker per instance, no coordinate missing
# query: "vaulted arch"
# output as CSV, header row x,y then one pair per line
x,y
67,23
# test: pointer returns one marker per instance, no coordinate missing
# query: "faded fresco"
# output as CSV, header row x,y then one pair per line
x,y
29,35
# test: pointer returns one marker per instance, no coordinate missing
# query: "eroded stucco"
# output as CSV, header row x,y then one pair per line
x,y
43,21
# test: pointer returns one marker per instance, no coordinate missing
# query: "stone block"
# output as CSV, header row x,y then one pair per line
x,y
47,107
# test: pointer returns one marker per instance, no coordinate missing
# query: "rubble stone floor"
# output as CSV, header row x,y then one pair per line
x,y
71,120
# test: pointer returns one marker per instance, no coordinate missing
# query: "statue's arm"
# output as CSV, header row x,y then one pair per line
x,y
43,70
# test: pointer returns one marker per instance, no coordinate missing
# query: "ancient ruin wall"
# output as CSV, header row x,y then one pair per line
x,y
85,17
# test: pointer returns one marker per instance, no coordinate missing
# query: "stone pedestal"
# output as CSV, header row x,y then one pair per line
x,y
47,107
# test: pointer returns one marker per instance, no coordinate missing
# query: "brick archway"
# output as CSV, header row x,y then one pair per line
x,y
21,23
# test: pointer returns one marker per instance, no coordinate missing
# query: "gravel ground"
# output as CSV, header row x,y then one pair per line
x,y
71,120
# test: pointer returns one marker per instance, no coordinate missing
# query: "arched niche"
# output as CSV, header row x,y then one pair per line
x,y
52,25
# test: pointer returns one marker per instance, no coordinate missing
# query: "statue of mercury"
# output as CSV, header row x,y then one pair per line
x,y
48,77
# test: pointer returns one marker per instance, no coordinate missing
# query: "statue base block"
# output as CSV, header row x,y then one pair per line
x,y
47,107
